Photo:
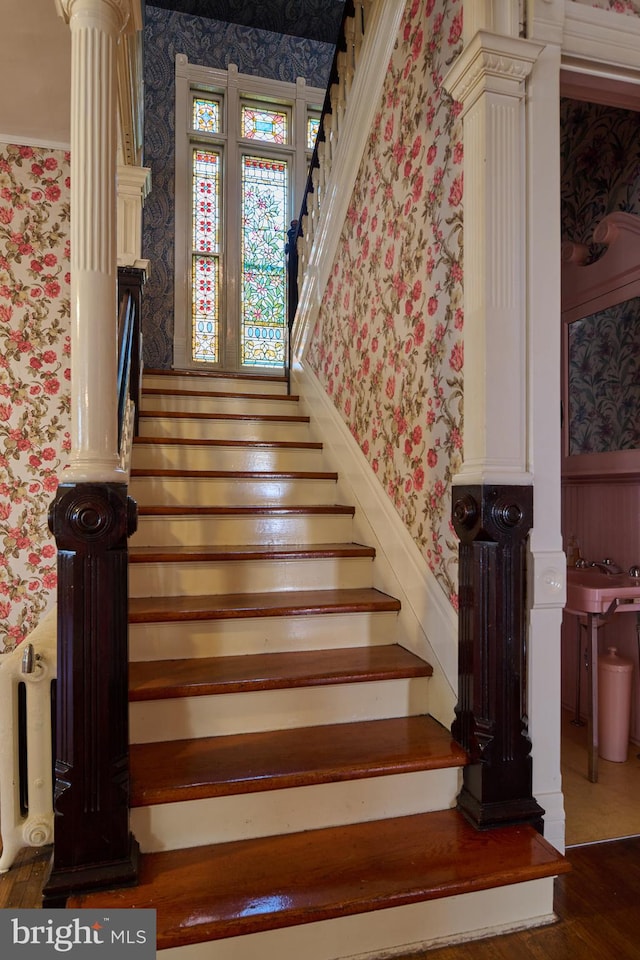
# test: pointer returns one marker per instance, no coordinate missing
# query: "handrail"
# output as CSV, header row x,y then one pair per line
x,y
130,283
302,231
126,322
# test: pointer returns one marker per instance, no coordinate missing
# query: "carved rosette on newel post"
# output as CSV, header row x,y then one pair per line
x,y
493,523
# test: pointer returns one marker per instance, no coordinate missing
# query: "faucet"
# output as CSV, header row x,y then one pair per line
x,y
606,566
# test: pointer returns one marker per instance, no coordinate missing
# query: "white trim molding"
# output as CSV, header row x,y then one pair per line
x,y
594,39
134,184
428,624
489,78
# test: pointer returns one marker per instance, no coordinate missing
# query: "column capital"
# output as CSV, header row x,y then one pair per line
x,y
128,13
491,63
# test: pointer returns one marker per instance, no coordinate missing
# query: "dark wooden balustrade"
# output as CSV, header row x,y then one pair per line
x,y
296,228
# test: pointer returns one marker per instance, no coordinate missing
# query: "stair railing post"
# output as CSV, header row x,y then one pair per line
x,y
91,516
493,523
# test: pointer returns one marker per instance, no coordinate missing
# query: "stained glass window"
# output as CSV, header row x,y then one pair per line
x,y
270,126
205,271
313,125
206,115
263,285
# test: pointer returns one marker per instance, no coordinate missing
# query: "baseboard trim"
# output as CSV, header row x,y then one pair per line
x,y
428,622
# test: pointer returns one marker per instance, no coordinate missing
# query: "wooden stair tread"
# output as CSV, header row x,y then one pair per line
x,y
242,887
205,676
160,510
231,552
217,395
261,444
276,604
243,763
259,417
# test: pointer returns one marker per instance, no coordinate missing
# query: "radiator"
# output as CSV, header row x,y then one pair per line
x,y
26,774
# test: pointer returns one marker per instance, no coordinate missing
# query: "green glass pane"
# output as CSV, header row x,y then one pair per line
x,y
313,125
206,115
270,126
263,297
206,201
205,278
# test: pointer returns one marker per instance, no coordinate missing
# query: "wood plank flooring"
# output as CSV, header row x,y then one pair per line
x,y
598,905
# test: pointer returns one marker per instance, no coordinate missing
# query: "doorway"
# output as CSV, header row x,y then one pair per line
x,y
600,174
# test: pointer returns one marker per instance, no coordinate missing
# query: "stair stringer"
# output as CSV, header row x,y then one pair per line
x,y
428,624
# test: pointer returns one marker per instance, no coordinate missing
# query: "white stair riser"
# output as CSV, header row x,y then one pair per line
x,y
183,718
205,491
170,403
247,576
412,928
266,432
174,456
190,823
225,638
159,531
215,384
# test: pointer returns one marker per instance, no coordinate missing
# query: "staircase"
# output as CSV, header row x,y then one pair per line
x,y
290,793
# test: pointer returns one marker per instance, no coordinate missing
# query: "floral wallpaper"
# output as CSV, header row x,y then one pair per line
x,y
34,376
388,345
211,44
600,173
600,166
604,380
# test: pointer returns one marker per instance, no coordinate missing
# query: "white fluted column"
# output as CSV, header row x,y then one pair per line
x,y
489,79
95,27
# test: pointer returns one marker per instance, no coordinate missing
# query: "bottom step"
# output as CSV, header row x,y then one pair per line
x,y
249,889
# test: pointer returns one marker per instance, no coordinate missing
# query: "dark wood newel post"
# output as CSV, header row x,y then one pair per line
x,y
493,523
93,846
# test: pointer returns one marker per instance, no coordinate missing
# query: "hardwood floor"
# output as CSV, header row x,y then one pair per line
x,y
598,905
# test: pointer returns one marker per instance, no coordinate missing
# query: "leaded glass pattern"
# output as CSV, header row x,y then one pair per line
x,y
206,201
206,328
205,258
263,285
313,126
269,126
206,115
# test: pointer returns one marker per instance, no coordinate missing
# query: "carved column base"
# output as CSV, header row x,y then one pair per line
x,y
61,883
485,814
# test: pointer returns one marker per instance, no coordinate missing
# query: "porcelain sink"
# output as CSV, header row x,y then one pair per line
x,y
592,591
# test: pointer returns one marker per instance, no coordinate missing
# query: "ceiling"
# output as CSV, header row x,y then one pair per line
x,y
35,54
313,19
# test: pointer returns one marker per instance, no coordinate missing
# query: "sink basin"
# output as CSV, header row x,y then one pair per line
x,y
592,591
